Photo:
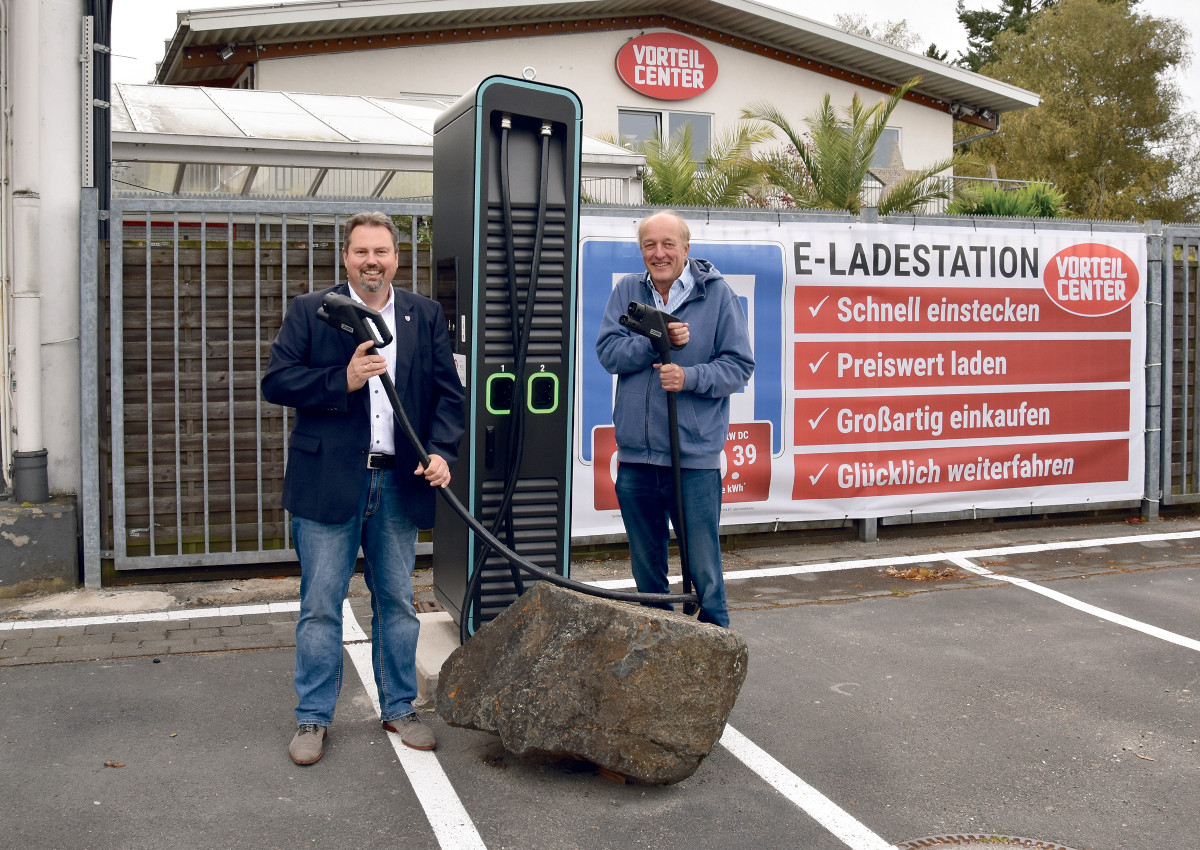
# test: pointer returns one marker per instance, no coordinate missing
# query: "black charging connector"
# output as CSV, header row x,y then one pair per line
x,y
651,323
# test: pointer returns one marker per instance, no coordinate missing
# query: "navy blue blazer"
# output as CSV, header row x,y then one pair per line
x,y
327,453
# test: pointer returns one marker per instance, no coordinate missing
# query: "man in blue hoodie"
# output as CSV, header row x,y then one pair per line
x,y
716,362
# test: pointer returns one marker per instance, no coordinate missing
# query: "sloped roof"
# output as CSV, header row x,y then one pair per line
x,y
216,125
245,33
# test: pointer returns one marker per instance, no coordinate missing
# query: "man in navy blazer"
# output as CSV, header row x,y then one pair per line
x,y
352,480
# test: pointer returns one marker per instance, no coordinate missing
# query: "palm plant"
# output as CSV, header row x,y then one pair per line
x,y
826,168
729,175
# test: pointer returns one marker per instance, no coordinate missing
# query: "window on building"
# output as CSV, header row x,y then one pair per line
x,y
637,125
881,157
701,130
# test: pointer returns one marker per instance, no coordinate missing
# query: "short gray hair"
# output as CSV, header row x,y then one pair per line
x,y
684,230
370,219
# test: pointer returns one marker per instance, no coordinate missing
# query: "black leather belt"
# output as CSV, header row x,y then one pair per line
x,y
381,461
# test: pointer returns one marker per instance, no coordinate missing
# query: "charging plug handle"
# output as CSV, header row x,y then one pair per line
x,y
360,321
651,323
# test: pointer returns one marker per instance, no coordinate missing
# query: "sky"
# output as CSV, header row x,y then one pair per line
x,y
141,26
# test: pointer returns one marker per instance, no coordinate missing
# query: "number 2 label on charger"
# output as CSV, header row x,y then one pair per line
x,y
746,465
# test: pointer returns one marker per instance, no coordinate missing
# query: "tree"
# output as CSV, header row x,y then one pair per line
x,y
729,175
826,168
895,33
933,52
984,25
1110,133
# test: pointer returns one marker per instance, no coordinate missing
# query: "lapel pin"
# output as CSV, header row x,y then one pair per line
x,y
408,318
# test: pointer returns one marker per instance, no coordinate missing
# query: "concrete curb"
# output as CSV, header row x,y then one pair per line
x,y
439,638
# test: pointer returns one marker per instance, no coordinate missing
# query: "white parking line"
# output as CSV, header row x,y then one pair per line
x,y
445,811
925,558
152,616
351,631
816,805
1028,548
1103,614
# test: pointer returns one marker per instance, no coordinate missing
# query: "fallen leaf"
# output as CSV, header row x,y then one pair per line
x,y
922,573
114,764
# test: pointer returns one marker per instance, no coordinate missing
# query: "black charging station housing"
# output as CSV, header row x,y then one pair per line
x,y
475,273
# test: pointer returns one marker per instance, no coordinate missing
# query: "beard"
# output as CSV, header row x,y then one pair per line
x,y
372,286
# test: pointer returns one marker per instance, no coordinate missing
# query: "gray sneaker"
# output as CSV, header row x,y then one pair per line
x,y
308,744
412,731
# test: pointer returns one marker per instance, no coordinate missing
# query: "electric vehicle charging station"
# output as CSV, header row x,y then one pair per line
x,y
506,223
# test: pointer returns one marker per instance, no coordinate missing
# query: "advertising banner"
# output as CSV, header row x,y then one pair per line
x,y
900,370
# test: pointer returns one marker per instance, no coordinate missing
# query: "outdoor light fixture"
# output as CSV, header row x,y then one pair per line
x,y
987,114
226,52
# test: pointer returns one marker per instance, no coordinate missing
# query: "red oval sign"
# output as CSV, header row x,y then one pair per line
x,y
1091,279
667,66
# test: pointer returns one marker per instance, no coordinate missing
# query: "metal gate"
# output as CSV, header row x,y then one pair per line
x,y
1180,449
190,455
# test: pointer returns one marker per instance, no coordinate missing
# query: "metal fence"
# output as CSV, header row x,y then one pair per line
x,y
183,460
1176,253
190,455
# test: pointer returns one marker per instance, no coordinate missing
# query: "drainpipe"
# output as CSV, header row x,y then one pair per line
x,y
990,132
30,479
6,236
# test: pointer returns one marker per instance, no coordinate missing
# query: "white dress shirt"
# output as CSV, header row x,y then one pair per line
x,y
383,429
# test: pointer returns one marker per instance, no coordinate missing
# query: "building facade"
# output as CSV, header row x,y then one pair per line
x,y
640,67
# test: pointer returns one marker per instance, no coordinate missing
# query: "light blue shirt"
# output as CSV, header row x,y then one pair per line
x,y
677,294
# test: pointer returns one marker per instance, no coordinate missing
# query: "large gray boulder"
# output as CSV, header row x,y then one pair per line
x,y
638,691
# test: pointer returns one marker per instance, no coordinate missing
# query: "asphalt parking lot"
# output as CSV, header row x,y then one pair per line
x,y
1037,684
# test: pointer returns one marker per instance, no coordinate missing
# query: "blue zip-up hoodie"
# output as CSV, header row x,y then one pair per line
x,y
717,362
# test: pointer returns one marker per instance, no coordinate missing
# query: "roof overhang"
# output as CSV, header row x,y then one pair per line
x,y
248,33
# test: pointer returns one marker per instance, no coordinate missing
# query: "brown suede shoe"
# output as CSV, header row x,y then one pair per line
x,y
412,731
308,744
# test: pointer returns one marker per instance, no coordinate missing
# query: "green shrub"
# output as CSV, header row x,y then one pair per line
x,y
1033,200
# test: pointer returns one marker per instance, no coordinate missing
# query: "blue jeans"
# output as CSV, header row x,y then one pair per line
x,y
646,494
382,528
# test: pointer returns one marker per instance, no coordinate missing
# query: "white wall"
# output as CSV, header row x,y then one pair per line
x,y
47,164
61,45
586,64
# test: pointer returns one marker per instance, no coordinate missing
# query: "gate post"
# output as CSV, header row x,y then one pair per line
x,y
90,358
1152,495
